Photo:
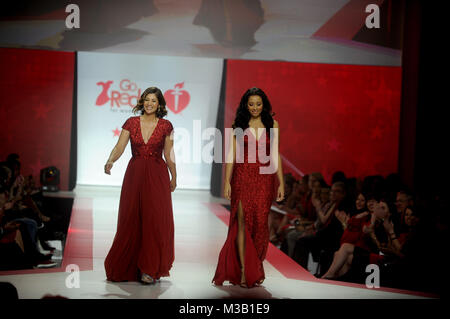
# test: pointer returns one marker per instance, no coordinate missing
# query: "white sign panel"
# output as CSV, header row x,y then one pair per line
x,y
109,86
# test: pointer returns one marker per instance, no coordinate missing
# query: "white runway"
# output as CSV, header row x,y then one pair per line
x,y
199,236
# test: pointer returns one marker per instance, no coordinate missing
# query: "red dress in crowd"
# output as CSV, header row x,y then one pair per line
x,y
144,241
256,193
355,235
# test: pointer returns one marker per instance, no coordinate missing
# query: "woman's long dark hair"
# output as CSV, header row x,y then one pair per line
x,y
243,115
161,111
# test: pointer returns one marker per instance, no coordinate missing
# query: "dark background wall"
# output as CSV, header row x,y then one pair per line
x,y
423,155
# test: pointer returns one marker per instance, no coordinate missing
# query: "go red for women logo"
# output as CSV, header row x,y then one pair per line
x,y
177,99
127,95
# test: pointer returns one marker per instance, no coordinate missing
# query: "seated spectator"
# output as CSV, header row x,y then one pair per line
x,y
315,183
292,209
10,237
360,204
325,194
353,225
407,253
21,200
363,237
303,227
304,212
404,200
22,194
19,232
275,218
326,238
338,176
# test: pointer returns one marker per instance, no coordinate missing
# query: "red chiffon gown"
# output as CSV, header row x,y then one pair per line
x,y
256,193
144,241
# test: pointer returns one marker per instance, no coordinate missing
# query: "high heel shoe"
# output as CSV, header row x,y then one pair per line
x,y
147,279
243,283
259,283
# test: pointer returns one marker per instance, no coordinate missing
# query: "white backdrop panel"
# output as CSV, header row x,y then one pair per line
x,y
108,88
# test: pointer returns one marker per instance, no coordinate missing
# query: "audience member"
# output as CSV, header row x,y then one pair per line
x,y
370,220
305,227
364,236
20,220
403,199
326,239
275,218
338,176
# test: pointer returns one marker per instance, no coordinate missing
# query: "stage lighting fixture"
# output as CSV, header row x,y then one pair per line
x,y
50,179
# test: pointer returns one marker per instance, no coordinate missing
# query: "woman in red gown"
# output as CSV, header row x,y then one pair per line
x,y
251,186
143,247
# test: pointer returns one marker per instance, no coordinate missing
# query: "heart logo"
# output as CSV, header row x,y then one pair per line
x,y
177,99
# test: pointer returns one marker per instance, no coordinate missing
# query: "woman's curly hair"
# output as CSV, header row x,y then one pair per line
x,y
161,111
243,115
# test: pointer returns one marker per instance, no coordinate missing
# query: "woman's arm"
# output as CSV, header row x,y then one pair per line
x,y
370,231
16,190
324,216
342,217
169,155
292,211
394,243
280,192
230,159
117,151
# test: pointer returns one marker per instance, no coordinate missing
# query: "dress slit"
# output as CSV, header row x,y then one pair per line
x,y
241,224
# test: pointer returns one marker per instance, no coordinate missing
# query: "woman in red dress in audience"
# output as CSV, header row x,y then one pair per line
x,y
359,235
251,185
143,247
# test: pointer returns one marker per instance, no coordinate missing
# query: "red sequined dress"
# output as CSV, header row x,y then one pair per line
x,y
256,193
144,240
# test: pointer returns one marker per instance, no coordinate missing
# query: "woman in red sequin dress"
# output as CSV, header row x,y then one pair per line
x,y
143,247
252,167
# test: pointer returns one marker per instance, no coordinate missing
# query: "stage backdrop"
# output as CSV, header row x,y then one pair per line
x,y
332,117
36,93
108,88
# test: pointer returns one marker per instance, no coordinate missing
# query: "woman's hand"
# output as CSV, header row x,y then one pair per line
x,y
316,203
227,190
108,167
341,216
173,184
280,193
389,226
